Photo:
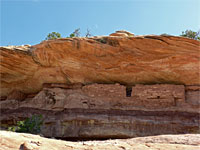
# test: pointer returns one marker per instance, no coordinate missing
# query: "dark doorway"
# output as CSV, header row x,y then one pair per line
x,y
128,91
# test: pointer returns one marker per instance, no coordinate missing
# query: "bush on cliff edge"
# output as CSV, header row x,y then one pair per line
x,y
53,35
191,34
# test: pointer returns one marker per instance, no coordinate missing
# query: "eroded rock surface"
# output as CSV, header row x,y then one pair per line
x,y
122,33
118,86
101,111
113,59
14,141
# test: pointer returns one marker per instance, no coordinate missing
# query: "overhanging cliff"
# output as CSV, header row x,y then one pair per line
x,y
114,59
103,87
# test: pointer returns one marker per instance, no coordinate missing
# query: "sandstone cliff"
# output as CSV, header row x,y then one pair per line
x,y
104,87
101,111
113,59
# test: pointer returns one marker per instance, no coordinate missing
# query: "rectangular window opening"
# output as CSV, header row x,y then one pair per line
x,y
128,91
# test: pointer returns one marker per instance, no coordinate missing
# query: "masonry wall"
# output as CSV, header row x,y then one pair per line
x,y
106,110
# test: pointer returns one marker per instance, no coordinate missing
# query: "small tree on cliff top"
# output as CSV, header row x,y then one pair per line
x,y
53,35
191,34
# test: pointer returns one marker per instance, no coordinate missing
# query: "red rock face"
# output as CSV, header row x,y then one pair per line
x,y
159,96
103,111
193,95
114,59
103,87
16,95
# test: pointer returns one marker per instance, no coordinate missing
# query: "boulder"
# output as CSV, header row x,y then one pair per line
x,y
122,33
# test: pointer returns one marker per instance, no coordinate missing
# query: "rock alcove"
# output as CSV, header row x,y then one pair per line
x,y
126,86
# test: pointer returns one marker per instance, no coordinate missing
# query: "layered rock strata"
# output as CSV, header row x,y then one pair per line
x,y
103,87
101,111
114,59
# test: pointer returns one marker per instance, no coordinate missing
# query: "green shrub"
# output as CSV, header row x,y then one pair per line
x,y
30,125
72,35
53,35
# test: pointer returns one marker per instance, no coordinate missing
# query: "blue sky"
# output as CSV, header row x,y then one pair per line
x,y
29,21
